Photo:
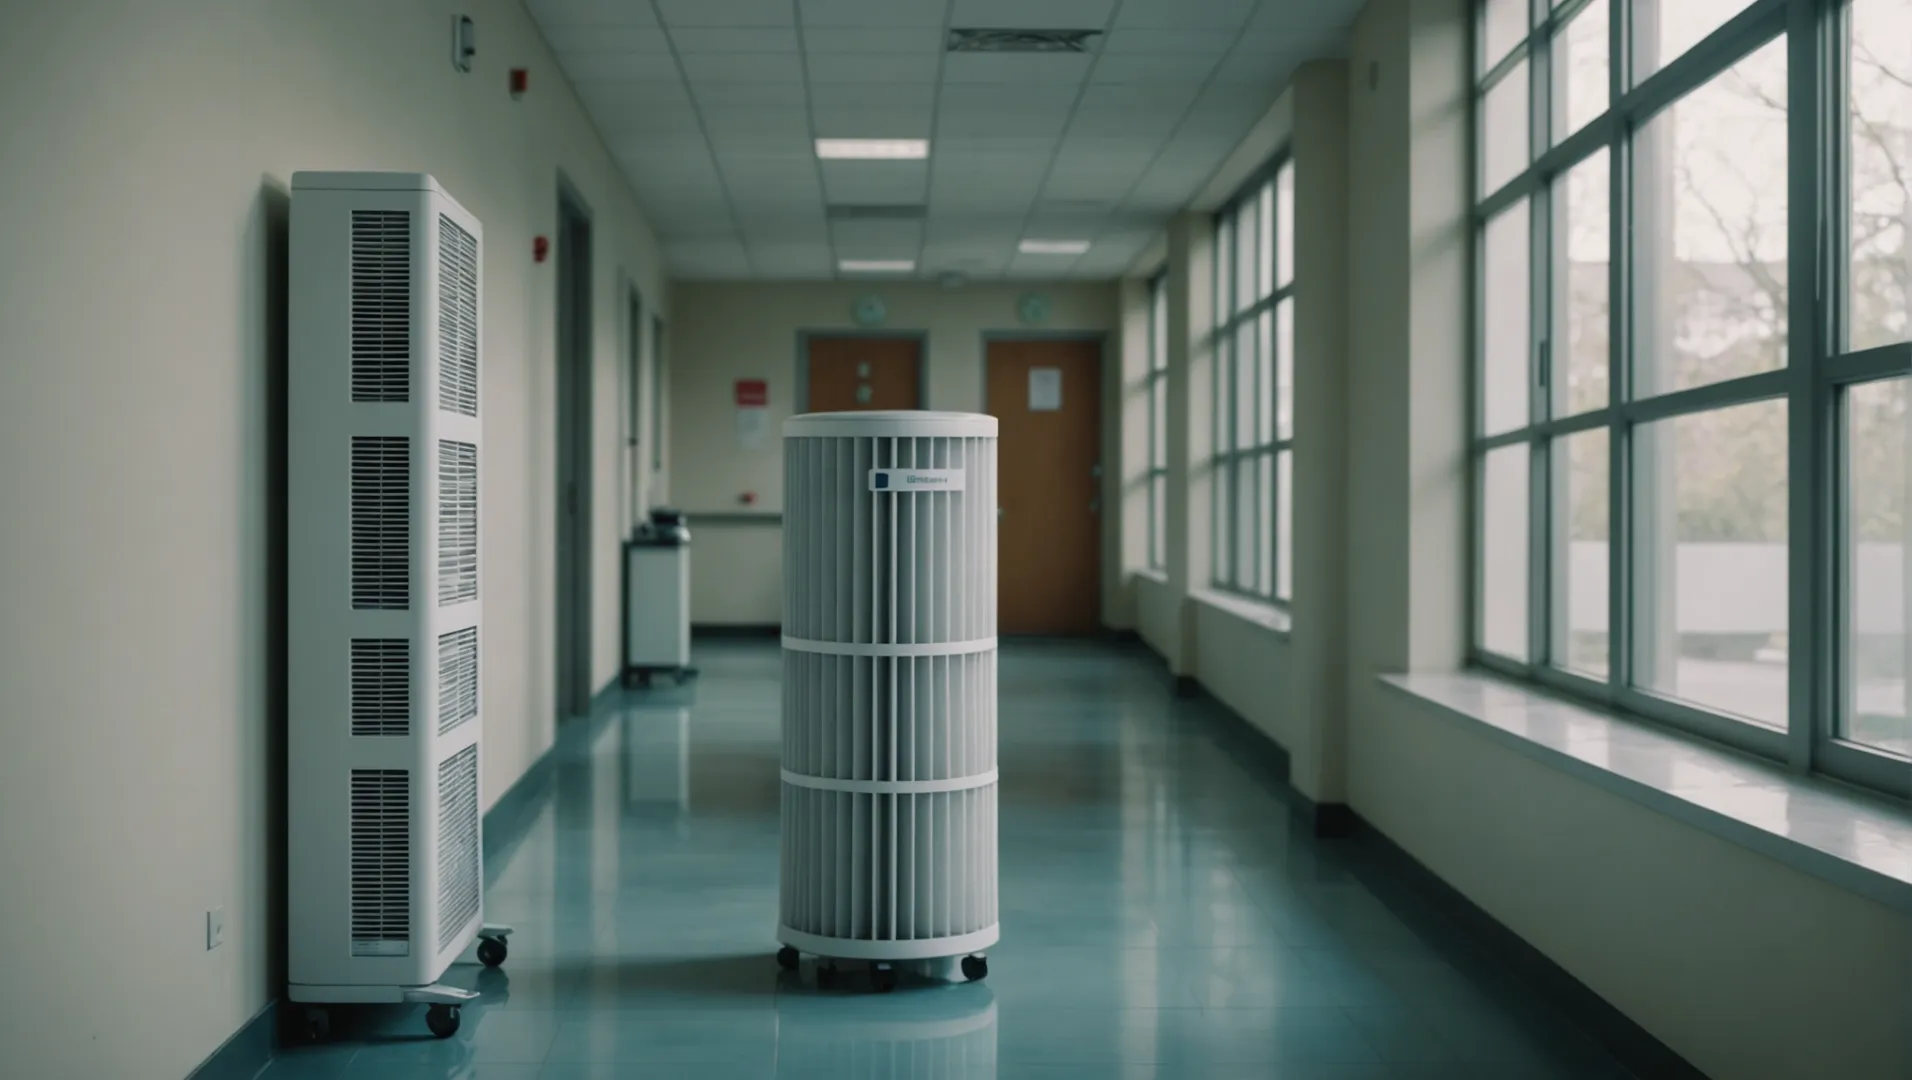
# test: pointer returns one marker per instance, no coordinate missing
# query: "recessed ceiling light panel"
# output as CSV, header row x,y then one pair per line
x,y
1053,247
873,149
876,266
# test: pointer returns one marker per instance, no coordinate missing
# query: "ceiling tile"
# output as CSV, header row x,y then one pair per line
x,y
786,260
866,68
865,123
744,120
1263,70
873,13
551,13
997,122
1315,15
745,95
785,228
1033,14
921,41
638,94
1086,185
1125,97
792,145
1017,69
567,39
742,67
876,237
626,67
1128,40
950,147
885,183
1007,98
726,13
1185,14
1180,68
760,39
1150,126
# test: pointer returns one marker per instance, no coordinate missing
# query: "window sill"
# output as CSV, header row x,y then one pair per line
x,y
1149,573
1266,616
1855,840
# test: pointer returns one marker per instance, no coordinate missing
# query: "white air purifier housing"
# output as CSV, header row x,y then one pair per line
x,y
889,690
384,618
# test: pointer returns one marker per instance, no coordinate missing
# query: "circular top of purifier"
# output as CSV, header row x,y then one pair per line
x,y
890,423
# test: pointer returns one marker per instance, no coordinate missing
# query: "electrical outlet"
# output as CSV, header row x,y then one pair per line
x,y
215,928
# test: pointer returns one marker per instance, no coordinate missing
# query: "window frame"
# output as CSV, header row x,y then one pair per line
x,y
1813,382
1155,383
1227,453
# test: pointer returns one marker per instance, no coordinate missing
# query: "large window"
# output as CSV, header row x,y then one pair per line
x,y
1158,421
1253,421
1690,470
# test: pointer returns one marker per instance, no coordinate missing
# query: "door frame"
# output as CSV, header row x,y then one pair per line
x,y
1109,575
800,392
573,436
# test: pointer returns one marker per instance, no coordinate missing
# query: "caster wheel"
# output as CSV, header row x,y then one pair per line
x,y
491,952
318,1025
826,977
787,958
442,1020
883,979
643,680
975,968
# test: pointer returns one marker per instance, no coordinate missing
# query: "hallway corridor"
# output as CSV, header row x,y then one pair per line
x,y
1163,916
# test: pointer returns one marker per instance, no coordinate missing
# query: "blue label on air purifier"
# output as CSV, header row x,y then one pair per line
x,y
916,479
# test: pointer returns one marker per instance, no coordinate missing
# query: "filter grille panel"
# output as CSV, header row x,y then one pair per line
x,y
457,522
381,306
457,678
381,686
381,862
889,718
459,865
458,319
381,522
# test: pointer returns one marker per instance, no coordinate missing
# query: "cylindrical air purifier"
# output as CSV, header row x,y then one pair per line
x,y
889,690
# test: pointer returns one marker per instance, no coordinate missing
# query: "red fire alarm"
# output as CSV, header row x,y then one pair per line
x,y
540,248
747,498
520,79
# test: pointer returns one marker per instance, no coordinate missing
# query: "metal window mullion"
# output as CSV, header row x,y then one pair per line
x,y
1883,362
1812,636
1745,390
1732,42
1619,358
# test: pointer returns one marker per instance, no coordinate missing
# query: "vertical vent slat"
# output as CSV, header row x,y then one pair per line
x,y
457,319
381,522
460,869
381,862
457,678
457,522
381,306
381,686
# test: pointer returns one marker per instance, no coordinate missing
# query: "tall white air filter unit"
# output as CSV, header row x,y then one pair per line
x,y
889,690
384,633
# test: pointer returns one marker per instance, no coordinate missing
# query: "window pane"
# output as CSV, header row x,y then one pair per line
x,y
1285,525
1879,651
1580,70
1503,129
1244,514
1265,243
1224,265
1503,554
1245,385
1273,396
1880,51
1503,25
1285,369
1264,523
1665,29
1158,405
1158,522
1245,257
1710,228
1506,321
1224,518
1285,225
1581,245
1581,536
1709,559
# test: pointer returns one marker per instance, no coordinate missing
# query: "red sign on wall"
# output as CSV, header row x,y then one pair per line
x,y
753,393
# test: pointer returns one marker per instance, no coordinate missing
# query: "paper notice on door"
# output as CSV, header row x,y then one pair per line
x,y
753,428
1045,389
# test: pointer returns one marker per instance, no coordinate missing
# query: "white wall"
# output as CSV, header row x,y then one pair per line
x,y
724,332
145,156
1750,969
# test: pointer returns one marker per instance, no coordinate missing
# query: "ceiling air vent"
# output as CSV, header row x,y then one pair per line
x,y
459,864
877,212
989,40
381,686
381,862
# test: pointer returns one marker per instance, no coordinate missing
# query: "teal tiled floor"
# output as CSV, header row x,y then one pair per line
x,y
1164,916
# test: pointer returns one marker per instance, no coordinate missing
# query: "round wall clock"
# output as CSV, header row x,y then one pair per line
x,y
1033,308
870,311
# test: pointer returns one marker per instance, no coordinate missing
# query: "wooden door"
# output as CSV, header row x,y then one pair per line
x,y
855,374
1047,398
